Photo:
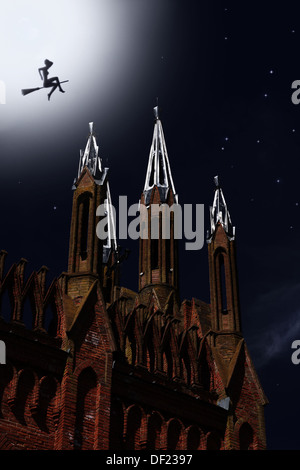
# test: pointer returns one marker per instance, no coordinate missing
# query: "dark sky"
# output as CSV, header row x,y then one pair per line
x,y
222,72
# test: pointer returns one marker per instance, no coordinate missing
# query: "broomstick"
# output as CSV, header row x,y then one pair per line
x,y
26,91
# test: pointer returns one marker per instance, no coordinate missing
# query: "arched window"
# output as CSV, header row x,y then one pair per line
x,y
84,225
222,278
193,438
154,242
132,438
23,395
246,437
154,432
117,424
174,435
213,442
85,410
44,410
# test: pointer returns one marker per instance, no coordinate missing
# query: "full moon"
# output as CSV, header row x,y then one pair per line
x,y
92,44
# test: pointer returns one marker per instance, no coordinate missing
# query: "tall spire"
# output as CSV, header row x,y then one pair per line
x,y
90,158
158,263
158,171
219,213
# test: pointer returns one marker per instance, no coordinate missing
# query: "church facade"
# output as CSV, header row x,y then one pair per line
x,y
107,368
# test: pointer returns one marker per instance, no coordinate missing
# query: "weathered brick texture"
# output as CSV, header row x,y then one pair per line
x,y
92,369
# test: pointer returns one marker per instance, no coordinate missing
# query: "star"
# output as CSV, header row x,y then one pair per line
x,y
226,138
297,204
293,130
278,180
258,141
226,38
271,72
54,207
266,95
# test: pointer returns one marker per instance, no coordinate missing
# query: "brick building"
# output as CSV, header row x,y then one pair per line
x,y
104,367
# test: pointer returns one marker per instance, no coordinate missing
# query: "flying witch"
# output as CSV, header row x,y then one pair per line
x,y
52,82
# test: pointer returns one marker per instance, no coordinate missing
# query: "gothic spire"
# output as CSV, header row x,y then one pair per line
x,y
158,171
90,157
219,213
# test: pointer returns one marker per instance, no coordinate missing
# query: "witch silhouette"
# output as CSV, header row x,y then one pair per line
x,y
49,82
52,82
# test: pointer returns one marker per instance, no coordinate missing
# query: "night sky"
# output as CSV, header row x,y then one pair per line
x,y
222,72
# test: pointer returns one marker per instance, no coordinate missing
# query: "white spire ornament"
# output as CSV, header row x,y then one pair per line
x,y
91,159
158,171
219,213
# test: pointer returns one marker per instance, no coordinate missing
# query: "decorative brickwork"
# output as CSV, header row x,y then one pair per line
x,y
93,365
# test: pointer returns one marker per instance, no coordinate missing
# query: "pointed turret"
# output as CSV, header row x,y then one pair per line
x,y
219,213
225,309
88,255
90,157
159,250
158,171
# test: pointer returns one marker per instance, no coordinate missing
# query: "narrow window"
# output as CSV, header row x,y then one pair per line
x,y
84,211
154,254
223,284
132,438
174,435
246,437
168,255
154,242
85,410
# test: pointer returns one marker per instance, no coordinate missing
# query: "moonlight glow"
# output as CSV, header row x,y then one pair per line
x,y
92,43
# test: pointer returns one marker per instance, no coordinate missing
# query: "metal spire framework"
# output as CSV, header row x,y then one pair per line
x,y
91,159
158,171
219,213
